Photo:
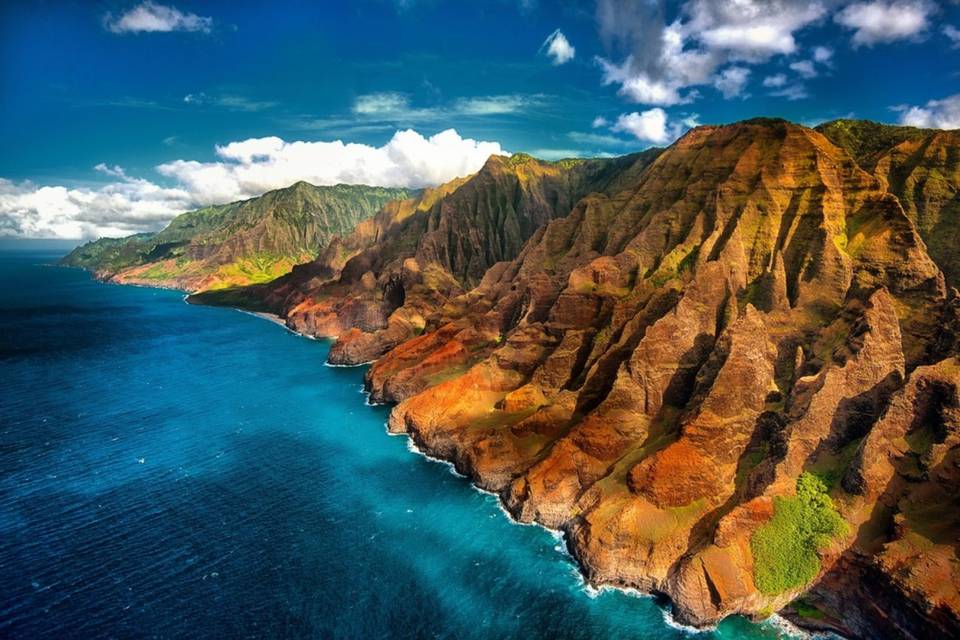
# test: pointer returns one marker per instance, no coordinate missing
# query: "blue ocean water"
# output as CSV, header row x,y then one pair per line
x,y
172,471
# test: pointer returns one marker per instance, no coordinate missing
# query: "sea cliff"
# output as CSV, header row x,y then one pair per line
x,y
728,370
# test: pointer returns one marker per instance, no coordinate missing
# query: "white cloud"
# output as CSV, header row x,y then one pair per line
x,y
885,20
229,102
666,62
936,114
250,167
639,87
953,34
792,92
380,103
559,48
116,170
150,17
394,106
731,81
776,80
804,69
598,122
117,209
649,126
823,55
243,169
494,105
653,126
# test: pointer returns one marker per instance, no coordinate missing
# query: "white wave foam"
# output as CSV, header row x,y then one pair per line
x,y
348,366
781,623
592,591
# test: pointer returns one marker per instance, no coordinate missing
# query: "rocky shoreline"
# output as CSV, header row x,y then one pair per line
x,y
795,625
459,466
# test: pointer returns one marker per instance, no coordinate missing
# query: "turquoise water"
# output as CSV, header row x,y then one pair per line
x,y
175,471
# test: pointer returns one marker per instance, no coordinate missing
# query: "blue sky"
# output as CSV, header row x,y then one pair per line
x,y
118,115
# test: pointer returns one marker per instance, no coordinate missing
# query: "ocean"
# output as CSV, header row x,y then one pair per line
x,y
174,471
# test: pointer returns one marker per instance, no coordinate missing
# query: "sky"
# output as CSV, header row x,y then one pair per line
x,y
115,116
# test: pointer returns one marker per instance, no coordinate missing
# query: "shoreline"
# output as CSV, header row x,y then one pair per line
x,y
594,591
564,547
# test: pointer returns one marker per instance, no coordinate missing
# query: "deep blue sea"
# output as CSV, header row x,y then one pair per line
x,y
172,471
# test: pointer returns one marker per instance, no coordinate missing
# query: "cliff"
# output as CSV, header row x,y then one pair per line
x,y
236,244
374,288
734,383
728,370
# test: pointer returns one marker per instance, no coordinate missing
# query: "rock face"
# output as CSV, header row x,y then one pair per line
x,y
235,244
374,288
728,371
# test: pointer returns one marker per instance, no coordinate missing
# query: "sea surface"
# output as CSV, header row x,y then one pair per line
x,y
173,471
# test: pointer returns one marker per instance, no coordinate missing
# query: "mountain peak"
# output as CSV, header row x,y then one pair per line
x,y
300,185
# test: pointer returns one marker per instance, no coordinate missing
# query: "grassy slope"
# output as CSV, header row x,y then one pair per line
x,y
866,140
238,243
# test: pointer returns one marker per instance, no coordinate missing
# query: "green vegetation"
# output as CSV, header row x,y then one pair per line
x,y
785,549
830,466
806,610
242,242
750,461
865,140
110,254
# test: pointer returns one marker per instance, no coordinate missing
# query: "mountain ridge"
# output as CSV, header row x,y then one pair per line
x,y
239,243
728,371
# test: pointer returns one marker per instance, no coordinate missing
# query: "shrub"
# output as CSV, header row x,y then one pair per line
x,y
785,549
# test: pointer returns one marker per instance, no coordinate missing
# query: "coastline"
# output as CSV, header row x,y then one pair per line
x,y
564,546
591,590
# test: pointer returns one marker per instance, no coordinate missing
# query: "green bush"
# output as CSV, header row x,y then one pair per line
x,y
785,549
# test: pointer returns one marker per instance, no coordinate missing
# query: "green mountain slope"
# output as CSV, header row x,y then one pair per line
x,y
921,167
238,243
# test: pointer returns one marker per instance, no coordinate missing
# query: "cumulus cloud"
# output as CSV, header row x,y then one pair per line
x,y
731,81
639,87
242,169
559,48
150,17
117,209
664,62
598,122
886,20
936,114
653,126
